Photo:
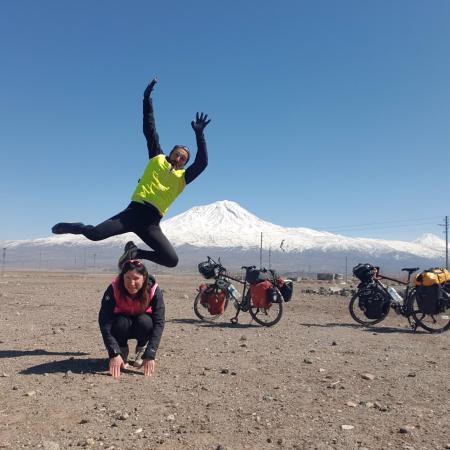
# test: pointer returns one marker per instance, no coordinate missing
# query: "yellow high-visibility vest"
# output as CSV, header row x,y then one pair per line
x,y
160,184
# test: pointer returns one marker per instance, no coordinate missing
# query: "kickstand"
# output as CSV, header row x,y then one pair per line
x,y
234,320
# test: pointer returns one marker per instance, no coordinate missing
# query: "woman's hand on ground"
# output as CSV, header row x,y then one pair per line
x,y
149,367
115,364
200,122
150,87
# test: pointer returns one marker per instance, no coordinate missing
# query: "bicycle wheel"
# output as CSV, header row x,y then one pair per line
x,y
433,323
267,316
202,311
358,314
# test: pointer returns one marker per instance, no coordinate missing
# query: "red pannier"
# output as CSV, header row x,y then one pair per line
x,y
262,294
213,299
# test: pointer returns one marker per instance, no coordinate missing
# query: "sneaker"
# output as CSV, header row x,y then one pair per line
x,y
138,361
129,252
67,228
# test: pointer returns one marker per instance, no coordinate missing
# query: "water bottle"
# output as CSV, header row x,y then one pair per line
x,y
395,296
233,292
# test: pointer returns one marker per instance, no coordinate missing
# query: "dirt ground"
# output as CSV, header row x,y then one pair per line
x,y
317,380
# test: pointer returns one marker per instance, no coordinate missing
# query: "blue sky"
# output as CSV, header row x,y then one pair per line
x,y
332,115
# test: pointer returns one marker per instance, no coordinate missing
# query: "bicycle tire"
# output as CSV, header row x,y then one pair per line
x,y
433,323
267,317
358,314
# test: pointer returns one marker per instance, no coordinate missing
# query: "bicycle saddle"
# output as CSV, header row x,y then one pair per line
x,y
410,270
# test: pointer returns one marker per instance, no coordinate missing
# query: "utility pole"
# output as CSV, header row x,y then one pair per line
x,y
270,249
3,261
346,278
445,225
260,252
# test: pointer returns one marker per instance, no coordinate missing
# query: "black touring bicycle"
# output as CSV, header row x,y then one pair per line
x,y
425,303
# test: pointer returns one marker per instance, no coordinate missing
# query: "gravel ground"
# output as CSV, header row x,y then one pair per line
x,y
316,380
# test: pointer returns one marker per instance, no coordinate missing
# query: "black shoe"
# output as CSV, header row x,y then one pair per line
x,y
129,252
67,228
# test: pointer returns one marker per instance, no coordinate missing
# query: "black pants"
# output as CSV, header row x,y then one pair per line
x,y
132,327
143,220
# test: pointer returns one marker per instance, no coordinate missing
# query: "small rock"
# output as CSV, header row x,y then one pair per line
x,y
268,398
170,417
406,429
139,430
186,297
334,343
321,369
447,446
351,404
307,361
68,374
4,375
368,404
83,421
367,376
225,371
243,338
30,393
347,427
411,374
15,388
88,442
123,416
280,441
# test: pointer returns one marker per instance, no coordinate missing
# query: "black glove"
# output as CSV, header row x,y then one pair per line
x,y
200,123
150,87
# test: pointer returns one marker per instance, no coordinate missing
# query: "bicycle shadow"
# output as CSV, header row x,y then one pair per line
x,y
331,325
37,352
366,328
76,366
213,324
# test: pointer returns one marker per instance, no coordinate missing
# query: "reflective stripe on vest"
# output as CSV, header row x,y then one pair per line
x,y
160,184
126,305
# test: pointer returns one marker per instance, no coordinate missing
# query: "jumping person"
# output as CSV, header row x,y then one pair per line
x,y
163,180
132,308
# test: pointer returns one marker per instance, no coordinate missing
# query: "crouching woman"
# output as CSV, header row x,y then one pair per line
x,y
132,308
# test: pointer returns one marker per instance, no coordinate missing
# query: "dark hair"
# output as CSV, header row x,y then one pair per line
x,y
183,147
142,294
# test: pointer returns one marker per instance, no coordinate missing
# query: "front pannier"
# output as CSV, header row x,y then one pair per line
x,y
374,303
214,300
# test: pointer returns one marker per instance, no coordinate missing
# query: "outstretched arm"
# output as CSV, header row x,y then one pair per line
x,y
148,125
201,158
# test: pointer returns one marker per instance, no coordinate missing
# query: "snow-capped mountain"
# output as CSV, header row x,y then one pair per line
x,y
226,229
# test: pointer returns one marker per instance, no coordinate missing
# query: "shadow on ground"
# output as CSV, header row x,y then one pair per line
x,y
95,365
36,352
213,324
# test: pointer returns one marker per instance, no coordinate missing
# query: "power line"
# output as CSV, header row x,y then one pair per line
x,y
386,224
445,225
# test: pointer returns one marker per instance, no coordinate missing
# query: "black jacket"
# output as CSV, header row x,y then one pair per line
x,y
106,318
